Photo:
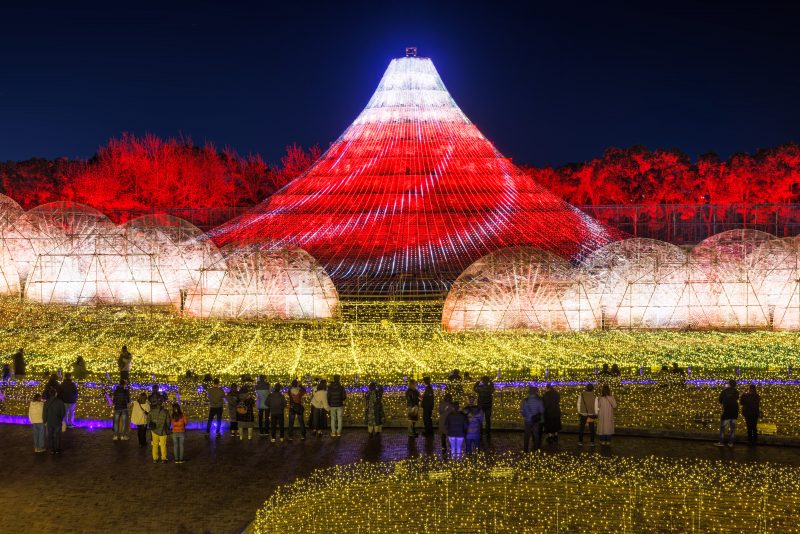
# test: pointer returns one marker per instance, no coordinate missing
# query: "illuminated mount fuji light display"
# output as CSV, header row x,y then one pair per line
x,y
410,195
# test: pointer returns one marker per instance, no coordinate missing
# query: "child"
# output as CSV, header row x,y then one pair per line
x,y
36,416
179,422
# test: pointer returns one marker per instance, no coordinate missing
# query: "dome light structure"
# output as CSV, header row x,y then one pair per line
x,y
518,288
10,211
273,284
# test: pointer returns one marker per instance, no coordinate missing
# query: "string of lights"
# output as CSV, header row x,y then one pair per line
x,y
167,345
533,493
410,195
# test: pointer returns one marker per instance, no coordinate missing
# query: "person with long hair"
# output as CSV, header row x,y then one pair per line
x,y
604,407
296,408
36,417
319,408
179,422
412,407
245,418
552,413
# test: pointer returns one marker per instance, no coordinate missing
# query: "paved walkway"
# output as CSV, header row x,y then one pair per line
x,y
100,485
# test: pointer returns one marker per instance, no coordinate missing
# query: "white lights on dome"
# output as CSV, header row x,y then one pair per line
x,y
737,279
265,284
518,288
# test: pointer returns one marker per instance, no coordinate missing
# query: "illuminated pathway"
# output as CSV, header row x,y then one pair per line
x,y
99,485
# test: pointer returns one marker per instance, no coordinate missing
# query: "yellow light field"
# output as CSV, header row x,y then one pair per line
x,y
166,344
540,493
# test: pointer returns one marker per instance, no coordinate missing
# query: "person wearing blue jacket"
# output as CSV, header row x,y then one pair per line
x,y
532,410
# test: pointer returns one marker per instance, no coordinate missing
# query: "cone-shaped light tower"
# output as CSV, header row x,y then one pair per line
x,y
410,195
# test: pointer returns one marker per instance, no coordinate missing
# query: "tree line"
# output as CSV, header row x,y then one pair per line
x,y
150,173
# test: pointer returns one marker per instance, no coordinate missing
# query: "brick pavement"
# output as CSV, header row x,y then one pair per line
x,y
99,485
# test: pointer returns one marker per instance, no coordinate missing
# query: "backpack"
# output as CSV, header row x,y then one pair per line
x,y
241,408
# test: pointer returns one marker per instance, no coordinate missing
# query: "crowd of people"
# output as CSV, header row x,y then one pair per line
x,y
465,418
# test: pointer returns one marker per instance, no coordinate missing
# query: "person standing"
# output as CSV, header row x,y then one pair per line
x,y
319,408
373,409
276,403
604,407
485,391
456,424
245,418
121,401
36,417
586,413
124,363
445,409
336,399
262,392
79,368
751,410
552,413
455,385
233,405
52,385
19,363
53,416
427,406
296,409
69,393
139,411
155,398
474,415
179,422
532,410
412,407
158,422
216,402
729,399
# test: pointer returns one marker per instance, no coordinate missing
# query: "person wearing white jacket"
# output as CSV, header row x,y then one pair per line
x,y
139,412
36,417
319,408
604,407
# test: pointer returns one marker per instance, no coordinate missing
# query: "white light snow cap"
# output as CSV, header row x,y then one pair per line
x,y
411,90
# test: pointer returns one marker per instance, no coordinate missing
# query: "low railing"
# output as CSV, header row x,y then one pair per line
x,y
676,223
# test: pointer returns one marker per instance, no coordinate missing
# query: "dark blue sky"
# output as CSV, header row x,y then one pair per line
x,y
546,84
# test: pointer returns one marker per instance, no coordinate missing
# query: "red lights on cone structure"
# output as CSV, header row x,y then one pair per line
x,y
410,195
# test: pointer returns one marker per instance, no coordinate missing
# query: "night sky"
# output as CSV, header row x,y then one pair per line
x,y
549,85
